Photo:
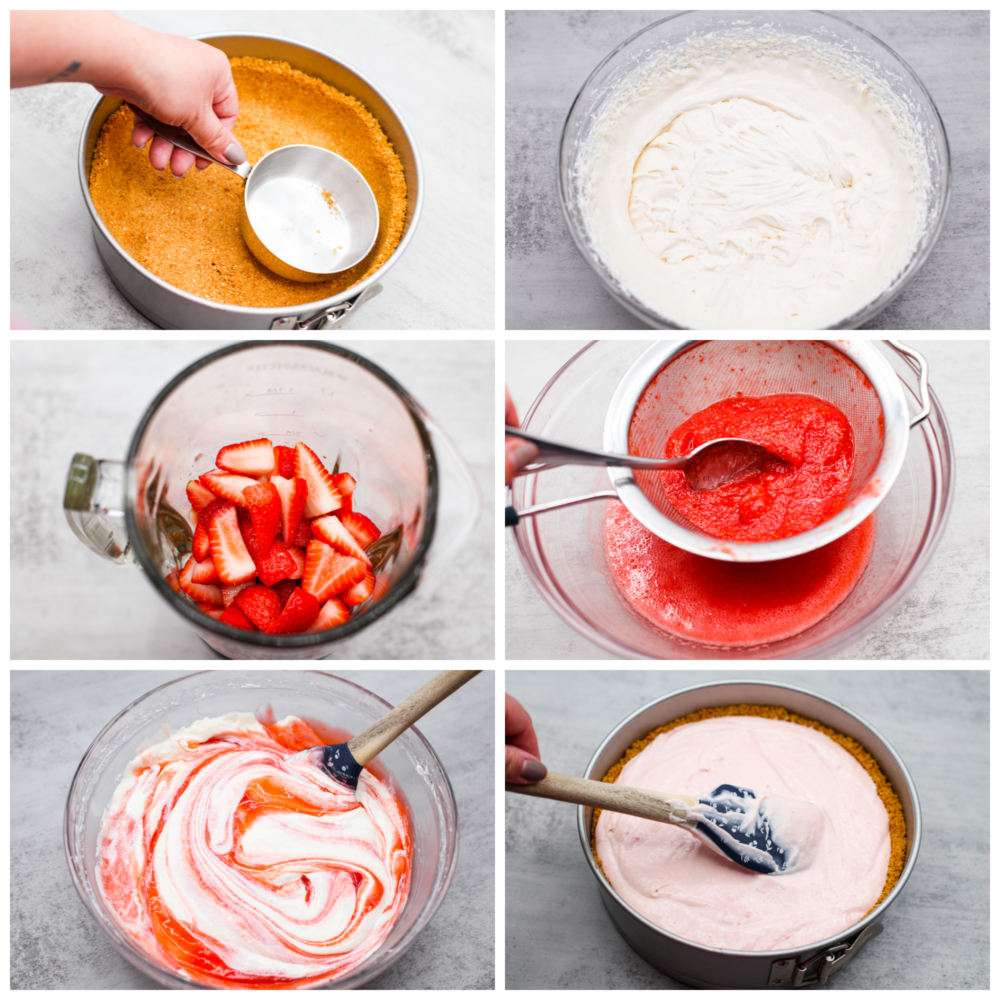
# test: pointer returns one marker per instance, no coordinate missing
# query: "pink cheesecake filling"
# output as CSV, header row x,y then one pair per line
x,y
678,883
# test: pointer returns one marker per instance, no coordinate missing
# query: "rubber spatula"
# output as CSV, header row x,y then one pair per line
x,y
764,833
344,762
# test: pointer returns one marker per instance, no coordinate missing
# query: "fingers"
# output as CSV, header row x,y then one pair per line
x,y
518,729
160,152
181,162
517,454
141,134
510,412
520,769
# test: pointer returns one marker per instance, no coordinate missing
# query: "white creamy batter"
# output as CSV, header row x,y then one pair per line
x,y
754,182
680,884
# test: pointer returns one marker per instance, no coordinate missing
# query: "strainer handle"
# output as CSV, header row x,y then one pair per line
x,y
512,516
924,395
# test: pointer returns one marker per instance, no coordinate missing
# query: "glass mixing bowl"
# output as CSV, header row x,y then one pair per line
x,y
563,550
883,64
413,765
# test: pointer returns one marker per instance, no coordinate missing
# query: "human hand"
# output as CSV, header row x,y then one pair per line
x,y
521,763
185,83
517,452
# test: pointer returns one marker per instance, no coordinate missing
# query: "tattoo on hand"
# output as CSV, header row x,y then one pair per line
x,y
72,68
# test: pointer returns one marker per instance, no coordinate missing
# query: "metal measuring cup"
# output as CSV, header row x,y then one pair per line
x,y
307,213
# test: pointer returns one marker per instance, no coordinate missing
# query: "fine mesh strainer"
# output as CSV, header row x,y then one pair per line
x,y
674,379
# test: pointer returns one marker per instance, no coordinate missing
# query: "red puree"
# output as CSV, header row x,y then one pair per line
x,y
746,604
803,487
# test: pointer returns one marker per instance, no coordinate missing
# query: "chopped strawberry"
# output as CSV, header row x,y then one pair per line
x,y
298,553
284,461
344,483
199,495
332,614
229,553
274,565
360,592
292,494
228,485
328,572
211,610
204,572
382,586
235,618
200,544
207,592
299,613
284,589
323,496
250,458
363,530
264,505
303,534
329,529
172,581
346,504
260,604
230,591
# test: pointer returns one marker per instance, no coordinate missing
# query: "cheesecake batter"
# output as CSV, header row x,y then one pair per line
x,y
754,181
238,870
683,886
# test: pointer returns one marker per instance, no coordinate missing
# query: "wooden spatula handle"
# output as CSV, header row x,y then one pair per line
x,y
616,798
373,740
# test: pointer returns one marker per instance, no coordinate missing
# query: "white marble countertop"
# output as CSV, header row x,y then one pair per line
x,y
55,943
437,67
937,932
88,396
550,54
946,614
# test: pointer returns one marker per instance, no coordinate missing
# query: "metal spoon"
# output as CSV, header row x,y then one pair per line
x,y
344,762
764,833
307,213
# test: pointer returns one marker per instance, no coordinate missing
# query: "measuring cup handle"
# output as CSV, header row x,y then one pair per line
x,y
94,507
178,137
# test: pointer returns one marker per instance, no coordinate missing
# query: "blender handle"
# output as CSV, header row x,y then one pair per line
x,y
94,507
460,500
924,396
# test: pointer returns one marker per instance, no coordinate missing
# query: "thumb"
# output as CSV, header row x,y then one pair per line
x,y
521,768
214,137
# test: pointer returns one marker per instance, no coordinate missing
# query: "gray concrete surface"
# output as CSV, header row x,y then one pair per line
x,y
89,396
937,932
551,53
55,943
437,67
945,616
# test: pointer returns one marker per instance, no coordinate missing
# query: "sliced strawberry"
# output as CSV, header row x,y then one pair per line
x,y
346,504
360,592
235,618
284,461
298,553
276,564
264,505
250,458
229,553
323,496
260,604
199,495
332,614
303,534
298,614
382,586
330,530
344,483
363,530
204,572
200,592
211,610
228,485
200,545
328,572
230,591
284,589
292,493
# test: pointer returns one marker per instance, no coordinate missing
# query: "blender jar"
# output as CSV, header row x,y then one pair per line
x,y
413,483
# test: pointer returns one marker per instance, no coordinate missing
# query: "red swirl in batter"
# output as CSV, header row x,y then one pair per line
x,y
803,487
240,870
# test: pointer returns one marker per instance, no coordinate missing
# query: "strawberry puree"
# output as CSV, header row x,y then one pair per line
x,y
730,604
805,485
237,869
